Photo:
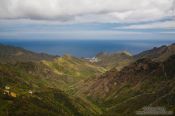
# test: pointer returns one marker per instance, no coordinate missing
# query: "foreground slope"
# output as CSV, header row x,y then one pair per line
x,y
36,85
51,102
145,82
70,86
33,89
154,89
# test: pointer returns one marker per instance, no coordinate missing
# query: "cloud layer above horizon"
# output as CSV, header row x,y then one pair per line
x,y
120,15
87,10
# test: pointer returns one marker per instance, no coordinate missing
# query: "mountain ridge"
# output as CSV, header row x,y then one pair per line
x,y
158,53
111,60
71,86
13,54
121,92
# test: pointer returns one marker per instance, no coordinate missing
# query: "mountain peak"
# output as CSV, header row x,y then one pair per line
x,y
103,54
158,53
126,53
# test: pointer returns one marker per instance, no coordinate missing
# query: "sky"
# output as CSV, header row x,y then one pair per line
x,y
87,19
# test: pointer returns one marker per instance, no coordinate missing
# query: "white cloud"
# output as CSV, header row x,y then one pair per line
x,y
87,10
155,25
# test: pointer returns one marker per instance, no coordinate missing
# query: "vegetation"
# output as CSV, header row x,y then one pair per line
x,y
74,68
117,60
69,86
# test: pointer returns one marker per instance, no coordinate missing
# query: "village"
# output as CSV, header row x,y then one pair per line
x,y
7,92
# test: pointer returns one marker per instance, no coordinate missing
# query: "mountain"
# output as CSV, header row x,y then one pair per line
x,y
67,69
145,82
13,54
50,102
31,74
132,73
111,60
46,101
48,90
153,87
71,86
74,68
122,92
158,54
47,87
38,86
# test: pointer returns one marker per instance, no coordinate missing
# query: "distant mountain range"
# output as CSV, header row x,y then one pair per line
x,y
118,60
158,54
13,54
116,84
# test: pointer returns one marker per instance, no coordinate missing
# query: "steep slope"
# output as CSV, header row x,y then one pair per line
x,y
65,70
74,68
41,103
46,102
29,74
33,86
12,54
155,90
122,92
158,54
59,73
33,89
72,86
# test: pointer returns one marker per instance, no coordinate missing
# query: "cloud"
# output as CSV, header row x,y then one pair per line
x,y
87,10
85,35
79,19
155,25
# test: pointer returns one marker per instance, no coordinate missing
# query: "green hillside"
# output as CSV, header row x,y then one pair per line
x,y
74,68
46,102
142,83
111,60
48,80
46,97
69,86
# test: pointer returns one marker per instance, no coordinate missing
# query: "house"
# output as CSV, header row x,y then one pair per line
x,y
30,92
7,87
92,60
12,94
7,92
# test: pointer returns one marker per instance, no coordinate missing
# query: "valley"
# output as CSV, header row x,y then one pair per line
x,y
116,84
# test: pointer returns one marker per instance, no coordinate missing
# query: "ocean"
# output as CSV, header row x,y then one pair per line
x,y
86,48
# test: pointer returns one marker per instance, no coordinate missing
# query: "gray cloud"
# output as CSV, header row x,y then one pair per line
x,y
155,25
87,10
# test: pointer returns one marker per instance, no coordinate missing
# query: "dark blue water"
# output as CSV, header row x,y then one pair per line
x,y
86,48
